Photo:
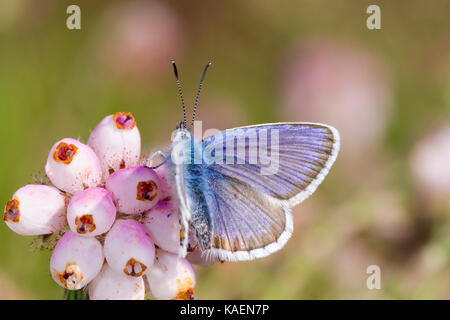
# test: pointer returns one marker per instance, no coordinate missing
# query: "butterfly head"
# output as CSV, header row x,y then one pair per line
x,y
180,134
181,139
181,125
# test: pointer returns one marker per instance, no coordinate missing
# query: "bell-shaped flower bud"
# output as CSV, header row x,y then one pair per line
x,y
36,210
73,166
111,285
171,277
164,226
129,249
91,212
117,142
429,165
167,189
134,190
76,260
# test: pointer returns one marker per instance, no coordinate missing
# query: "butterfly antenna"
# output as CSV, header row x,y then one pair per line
x,y
180,92
198,92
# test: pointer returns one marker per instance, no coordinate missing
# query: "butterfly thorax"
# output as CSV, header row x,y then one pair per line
x,y
186,154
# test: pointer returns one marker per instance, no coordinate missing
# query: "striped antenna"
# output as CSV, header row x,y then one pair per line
x,y
198,92
180,92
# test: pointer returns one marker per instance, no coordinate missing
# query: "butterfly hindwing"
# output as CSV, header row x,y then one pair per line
x,y
244,223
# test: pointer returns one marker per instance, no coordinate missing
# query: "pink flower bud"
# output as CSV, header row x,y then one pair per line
x,y
429,164
73,166
138,36
166,189
91,212
76,260
171,277
35,210
196,256
117,142
111,285
129,249
162,222
134,190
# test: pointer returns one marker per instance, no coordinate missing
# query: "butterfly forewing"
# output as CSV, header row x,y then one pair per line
x,y
298,160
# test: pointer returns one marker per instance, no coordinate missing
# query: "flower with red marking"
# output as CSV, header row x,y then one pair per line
x,y
91,212
76,260
111,285
134,190
117,142
171,277
35,210
73,166
129,249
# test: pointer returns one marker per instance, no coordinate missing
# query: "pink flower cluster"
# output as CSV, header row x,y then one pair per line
x,y
121,233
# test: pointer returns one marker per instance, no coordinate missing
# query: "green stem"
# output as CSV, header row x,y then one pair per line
x,y
81,294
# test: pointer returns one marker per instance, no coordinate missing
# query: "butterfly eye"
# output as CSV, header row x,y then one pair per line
x,y
181,125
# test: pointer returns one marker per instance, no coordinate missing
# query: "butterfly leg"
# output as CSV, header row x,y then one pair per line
x,y
158,153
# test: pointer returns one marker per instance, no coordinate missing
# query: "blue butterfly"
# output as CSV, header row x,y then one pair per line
x,y
235,189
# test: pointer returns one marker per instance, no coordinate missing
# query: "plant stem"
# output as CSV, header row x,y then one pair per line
x,y
81,294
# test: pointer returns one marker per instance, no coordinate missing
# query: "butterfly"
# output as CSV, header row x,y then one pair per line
x,y
235,189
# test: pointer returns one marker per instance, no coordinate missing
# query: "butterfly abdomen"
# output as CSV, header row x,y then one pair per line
x,y
200,219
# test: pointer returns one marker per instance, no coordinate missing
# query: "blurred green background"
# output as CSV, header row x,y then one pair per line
x,y
387,91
